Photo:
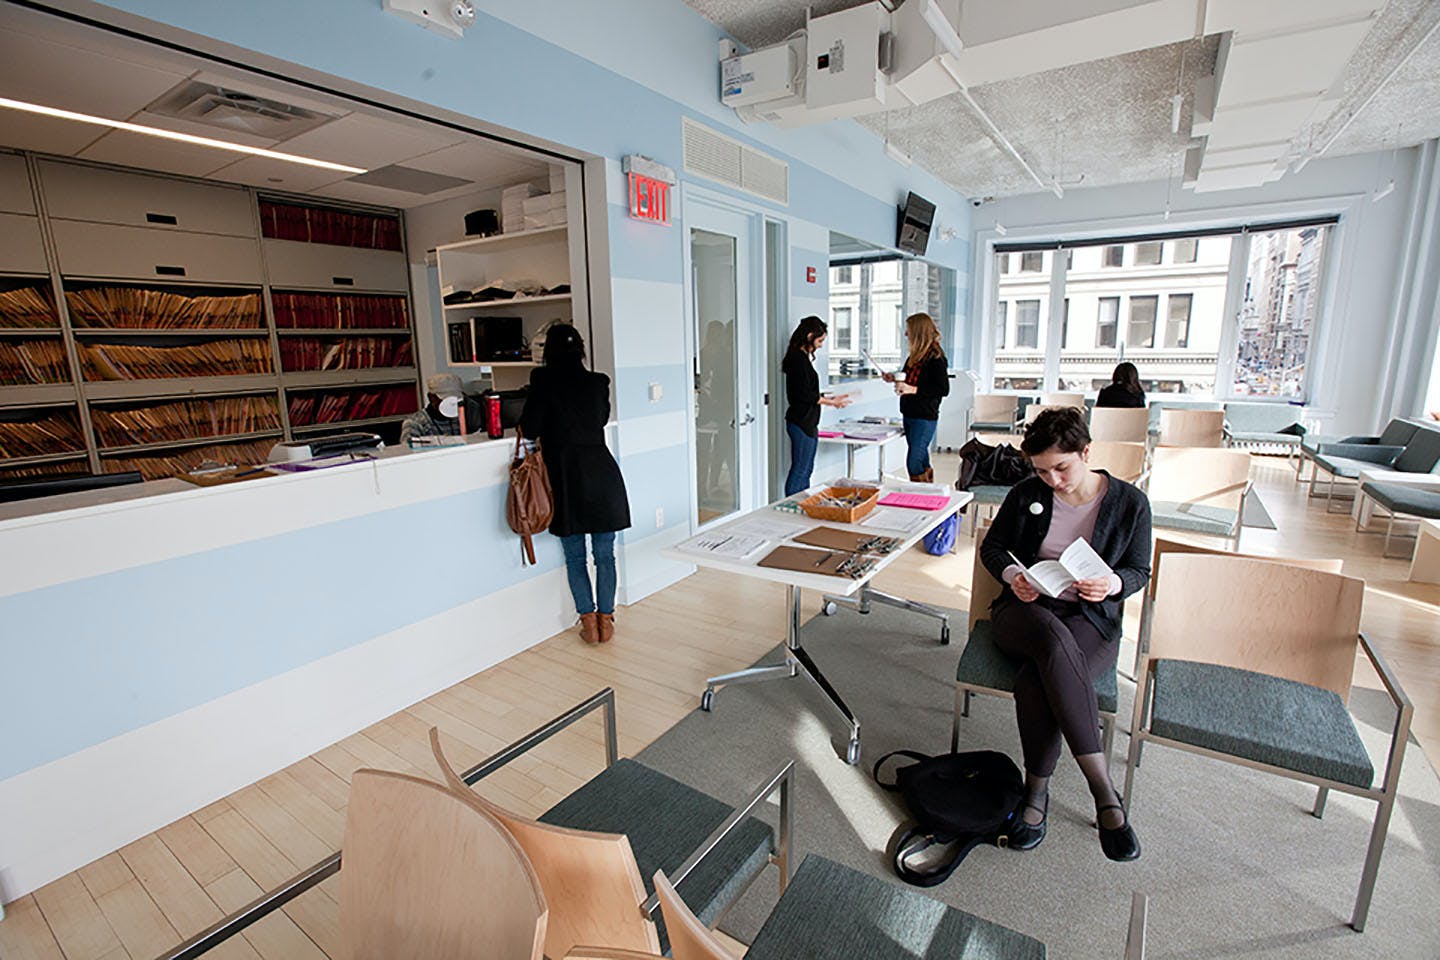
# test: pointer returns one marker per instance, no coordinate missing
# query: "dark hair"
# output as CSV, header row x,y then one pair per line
x,y
805,333
1127,376
564,347
1059,428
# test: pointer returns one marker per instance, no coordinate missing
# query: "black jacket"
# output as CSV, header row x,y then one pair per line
x,y
802,391
932,382
1122,538
1115,395
566,411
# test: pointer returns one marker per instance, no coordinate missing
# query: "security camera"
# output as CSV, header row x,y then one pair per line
x,y
977,202
446,17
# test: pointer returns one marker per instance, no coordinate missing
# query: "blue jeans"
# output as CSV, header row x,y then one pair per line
x,y
919,434
602,545
802,458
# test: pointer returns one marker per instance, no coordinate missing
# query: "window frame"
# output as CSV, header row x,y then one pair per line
x,y
849,328
1184,339
1154,300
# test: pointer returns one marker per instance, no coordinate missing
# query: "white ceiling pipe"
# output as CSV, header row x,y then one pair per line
x,y
997,135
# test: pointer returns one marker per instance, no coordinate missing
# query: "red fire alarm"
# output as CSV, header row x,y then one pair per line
x,y
809,274
650,184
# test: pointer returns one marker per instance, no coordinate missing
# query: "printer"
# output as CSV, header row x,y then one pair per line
x,y
291,451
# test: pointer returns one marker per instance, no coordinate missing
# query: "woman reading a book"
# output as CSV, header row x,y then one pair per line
x,y
565,410
1068,639
803,401
922,384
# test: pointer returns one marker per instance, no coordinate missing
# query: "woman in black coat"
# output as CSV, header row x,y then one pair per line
x,y
566,410
1124,389
1065,642
925,382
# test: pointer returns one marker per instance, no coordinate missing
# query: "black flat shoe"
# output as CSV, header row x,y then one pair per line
x,y
1118,843
1027,836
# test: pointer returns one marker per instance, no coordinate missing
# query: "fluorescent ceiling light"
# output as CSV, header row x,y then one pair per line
x,y
943,29
172,135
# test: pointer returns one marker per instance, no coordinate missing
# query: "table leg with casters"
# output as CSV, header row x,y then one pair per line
x,y
850,460
867,595
796,661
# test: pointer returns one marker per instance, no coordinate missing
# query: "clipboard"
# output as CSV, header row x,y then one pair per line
x,y
825,563
832,538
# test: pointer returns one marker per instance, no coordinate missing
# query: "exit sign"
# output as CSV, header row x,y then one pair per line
x,y
650,184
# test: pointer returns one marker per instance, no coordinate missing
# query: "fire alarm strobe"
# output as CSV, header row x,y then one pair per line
x,y
446,17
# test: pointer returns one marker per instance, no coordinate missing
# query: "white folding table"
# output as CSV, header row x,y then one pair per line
x,y
855,443
797,661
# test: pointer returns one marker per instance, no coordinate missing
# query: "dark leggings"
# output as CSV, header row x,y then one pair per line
x,y
1055,689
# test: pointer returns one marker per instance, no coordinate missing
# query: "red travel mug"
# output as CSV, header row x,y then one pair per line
x,y
492,418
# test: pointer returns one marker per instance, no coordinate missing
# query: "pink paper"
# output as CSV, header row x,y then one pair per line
x,y
830,433
915,501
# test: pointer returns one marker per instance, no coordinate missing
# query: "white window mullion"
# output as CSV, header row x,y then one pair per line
x,y
1230,327
1053,329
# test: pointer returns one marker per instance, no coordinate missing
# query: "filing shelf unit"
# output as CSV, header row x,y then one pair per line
x,y
68,226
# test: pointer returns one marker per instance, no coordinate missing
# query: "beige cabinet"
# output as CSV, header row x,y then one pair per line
x,y
21,249
322,266
103,250
15,195
77,192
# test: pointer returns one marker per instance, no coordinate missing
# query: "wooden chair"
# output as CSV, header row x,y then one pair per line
x,y
429,875
985,669
994,412
1192,428
1199,491
1120,459
1063,400
1035,409
592,877
1251,661
1124,424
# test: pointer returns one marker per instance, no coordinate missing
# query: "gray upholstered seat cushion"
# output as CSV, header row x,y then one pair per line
x,y
665,821
1350,466
1397,433
1421,454
1259,717
990,493
983,665
997,426
1406,498
1312,442
831,912
1260,436
1194,517
1255,417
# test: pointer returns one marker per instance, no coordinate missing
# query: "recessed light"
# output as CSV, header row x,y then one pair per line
x,y
173,135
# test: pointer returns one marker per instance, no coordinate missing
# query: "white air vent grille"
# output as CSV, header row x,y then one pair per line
x,y
717,157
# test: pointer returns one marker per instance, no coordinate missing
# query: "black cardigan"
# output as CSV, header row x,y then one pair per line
x,y
1122,538
932,383
802,391
1118,395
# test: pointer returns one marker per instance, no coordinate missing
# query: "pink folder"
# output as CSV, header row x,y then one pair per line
x,y
915,501
830,433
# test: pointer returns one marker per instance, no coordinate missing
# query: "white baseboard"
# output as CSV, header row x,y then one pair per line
x,y
58,817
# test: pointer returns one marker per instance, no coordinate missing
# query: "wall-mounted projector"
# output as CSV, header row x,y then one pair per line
x,y
448,18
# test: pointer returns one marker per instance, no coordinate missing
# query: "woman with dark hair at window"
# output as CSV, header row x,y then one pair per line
x,y
566,410
923,383
1124,389
804,400
1067,642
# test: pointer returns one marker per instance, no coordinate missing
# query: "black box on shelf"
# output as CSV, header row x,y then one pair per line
x,y
499,338
462,344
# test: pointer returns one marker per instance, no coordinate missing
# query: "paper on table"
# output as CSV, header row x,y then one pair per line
x,y
769,526
894,518
1079,561
723,544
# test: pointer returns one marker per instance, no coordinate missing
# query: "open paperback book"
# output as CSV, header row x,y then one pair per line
x,y
1078,562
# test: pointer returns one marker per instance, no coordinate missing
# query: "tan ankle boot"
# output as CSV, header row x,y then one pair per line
x,y
607,627
589,628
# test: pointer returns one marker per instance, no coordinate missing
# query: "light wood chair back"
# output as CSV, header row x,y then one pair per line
x,y
610,953
1165,547
1035,409
1257,615
1192,428
1194,475
427,875
995,408
591,880
983,587
1125,424
1123,460
995,439
1063,400
689,938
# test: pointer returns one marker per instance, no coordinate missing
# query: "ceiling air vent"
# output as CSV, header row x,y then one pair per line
x,y
236,111
717,157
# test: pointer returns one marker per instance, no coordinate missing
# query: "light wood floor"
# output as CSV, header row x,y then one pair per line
x,y
149,896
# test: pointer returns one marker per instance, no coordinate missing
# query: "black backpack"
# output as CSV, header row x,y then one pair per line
x,y
981,463
959,800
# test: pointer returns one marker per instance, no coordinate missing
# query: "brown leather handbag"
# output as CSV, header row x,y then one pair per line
x,y
530,504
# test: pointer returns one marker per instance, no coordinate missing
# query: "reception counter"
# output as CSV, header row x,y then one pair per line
x,y
165,644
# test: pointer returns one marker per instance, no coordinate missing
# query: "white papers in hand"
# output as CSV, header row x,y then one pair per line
x,y
732,546
1078,562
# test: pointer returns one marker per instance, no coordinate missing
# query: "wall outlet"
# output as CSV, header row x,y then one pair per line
x,y
656,392
659,517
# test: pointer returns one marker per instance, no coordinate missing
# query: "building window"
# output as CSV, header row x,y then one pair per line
x,y
1002,312
1106,321
1177,320
843,276
1027,324
1184,251
1004,262
1114,256
1148,254
840,320
1141,330
1032,261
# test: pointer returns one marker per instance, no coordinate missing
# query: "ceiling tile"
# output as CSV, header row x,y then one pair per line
x,y
53,74
153,153
364,141
27,131
479,161
277,174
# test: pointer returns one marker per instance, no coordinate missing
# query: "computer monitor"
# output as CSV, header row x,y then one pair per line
x,y
916,217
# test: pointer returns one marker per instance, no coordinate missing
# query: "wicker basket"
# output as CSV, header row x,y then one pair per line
x,y
813,507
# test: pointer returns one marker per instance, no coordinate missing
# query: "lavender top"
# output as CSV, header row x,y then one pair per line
x,y
1067,524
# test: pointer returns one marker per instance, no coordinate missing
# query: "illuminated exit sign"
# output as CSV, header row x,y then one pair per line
x,y
650,184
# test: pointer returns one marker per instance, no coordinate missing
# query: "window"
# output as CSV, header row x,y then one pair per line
x,y
1141,330
1114,256
840,327
1148,254
1001,317
1184,250
843,276
1282,298
1032,261
1027,324
1177,321
1106,321
1004,262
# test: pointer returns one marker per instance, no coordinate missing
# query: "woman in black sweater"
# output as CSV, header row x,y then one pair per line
x,y
566,410
1069,641
925,382
1124,389
803,401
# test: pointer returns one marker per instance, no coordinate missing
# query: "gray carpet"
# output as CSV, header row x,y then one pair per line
x,y
1255,513
1233,863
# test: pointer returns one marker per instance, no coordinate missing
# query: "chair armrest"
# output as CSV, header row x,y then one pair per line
x,y
1387,676
1370,453
1404,712
783,779
610,953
